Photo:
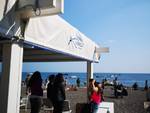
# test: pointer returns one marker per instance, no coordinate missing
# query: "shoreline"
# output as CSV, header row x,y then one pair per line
x,y
127,79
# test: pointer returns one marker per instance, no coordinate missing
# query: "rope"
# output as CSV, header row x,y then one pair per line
x,y
37,9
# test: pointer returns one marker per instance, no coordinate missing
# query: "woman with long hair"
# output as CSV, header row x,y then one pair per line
x,y
59,93
35,87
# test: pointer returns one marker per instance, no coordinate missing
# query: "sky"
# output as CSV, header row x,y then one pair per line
x,y
121,25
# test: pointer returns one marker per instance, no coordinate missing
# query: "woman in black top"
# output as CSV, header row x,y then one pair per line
x,y
50,88
35,87
59,93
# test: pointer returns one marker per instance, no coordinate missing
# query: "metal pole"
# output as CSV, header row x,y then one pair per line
x,y
89,75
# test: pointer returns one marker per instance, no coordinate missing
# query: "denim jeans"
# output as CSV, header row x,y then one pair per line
x,y
94,107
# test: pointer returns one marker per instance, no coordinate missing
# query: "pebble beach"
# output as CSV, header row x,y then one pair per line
x,y
133,103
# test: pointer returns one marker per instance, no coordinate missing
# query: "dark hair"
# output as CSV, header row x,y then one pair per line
x,y
97,85
35,77
91,79
59,78
51,78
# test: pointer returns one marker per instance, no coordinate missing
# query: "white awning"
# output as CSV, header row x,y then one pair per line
x,y
48,32
56,35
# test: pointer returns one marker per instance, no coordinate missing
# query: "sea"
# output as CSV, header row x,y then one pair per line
x,y
127,79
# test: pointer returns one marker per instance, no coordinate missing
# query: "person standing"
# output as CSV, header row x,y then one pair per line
x,y
146,85
95,95
115,88
50,88
59,93
78,82
27,82
35,87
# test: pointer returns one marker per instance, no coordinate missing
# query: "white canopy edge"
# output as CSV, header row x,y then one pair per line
x,y
55,33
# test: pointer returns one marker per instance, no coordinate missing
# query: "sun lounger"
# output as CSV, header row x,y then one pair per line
x,y
147,106
25,104
66,107
48,107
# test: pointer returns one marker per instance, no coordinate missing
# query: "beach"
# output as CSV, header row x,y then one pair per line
x,y
133,103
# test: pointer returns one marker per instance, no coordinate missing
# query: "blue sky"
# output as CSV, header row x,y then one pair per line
x,y
121,25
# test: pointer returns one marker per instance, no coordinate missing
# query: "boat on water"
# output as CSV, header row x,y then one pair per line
x,y
73,77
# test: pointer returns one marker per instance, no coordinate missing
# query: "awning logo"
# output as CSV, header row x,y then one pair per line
x,y
76,41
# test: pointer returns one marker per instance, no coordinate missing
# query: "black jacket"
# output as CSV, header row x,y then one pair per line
x,y
59,92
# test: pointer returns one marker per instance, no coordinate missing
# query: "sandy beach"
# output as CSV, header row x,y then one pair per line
x,y
133,103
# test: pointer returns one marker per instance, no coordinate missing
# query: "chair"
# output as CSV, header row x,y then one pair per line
x,y
66,107
25,103
47,106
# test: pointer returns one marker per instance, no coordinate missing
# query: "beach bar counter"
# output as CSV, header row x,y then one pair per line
x,y
37,35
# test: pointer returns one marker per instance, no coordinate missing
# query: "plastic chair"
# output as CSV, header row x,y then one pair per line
x,y
25,103
47,106
66,107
